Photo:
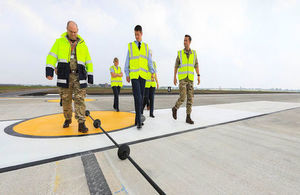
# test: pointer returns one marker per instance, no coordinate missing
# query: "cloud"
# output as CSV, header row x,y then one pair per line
x,y
33,20
282,5
238,42
89,17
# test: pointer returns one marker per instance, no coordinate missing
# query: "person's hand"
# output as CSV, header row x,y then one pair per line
x,y
157,85
175,81
152,77
55,70
128,79
49,77
121,74
198,80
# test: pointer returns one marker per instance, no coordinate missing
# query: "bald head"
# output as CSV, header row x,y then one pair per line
x,y
72,30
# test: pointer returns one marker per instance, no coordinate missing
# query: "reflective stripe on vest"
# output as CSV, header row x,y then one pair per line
x,y
82,81
186,68
62,81
50,66
116,81
138,60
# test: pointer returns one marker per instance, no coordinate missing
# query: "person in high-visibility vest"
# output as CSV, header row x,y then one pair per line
x,y
116,82
74,70
138,64
150,90
185,64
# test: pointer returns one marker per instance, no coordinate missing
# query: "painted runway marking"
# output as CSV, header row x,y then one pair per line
x,y
58,100
50,126
19,152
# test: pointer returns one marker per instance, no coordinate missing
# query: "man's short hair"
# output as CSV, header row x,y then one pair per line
x,y
116,59
190,38
70,21
138,28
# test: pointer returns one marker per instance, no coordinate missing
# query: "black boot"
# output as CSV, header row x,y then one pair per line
x,y
174,113
188,119
135,124
139,126
82,128
67,123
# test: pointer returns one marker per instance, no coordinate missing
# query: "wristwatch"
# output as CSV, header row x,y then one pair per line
x,y
198,75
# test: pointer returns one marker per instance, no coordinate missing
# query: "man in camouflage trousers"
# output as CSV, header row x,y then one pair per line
x,y
185,64
74,68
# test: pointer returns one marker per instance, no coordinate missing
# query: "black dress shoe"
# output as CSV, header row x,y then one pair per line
x,y
139,126
151,115
67,123
174,113
82,128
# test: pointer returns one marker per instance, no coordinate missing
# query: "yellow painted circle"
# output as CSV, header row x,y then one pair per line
x,y
58,100
51,125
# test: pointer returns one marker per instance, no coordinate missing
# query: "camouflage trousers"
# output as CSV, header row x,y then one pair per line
x,y
186,89
79,96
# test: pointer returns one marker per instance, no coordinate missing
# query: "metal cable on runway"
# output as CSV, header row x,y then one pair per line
x,y
124,152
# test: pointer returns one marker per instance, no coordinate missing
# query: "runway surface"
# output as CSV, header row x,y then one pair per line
x,y
239,144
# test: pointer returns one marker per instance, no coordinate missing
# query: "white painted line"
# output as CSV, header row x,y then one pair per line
x,y
18,150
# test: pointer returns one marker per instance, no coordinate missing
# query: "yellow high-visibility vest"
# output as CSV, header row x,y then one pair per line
x,y
138,60
186,68
149,82
116,81
60,53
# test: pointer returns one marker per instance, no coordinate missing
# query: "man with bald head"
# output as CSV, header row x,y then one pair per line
x,y
70,58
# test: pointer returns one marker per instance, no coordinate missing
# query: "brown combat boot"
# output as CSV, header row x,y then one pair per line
x,y
67,123
188,119
82,128
174,113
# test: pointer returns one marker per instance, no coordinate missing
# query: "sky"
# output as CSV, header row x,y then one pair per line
x,y
239,43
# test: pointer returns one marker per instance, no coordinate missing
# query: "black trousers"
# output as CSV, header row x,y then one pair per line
x,y
116,91
149,99
138,89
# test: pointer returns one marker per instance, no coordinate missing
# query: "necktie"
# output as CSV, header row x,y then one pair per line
x,y
139,45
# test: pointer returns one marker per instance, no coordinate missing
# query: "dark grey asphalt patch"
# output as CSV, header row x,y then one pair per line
x,y
94,176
